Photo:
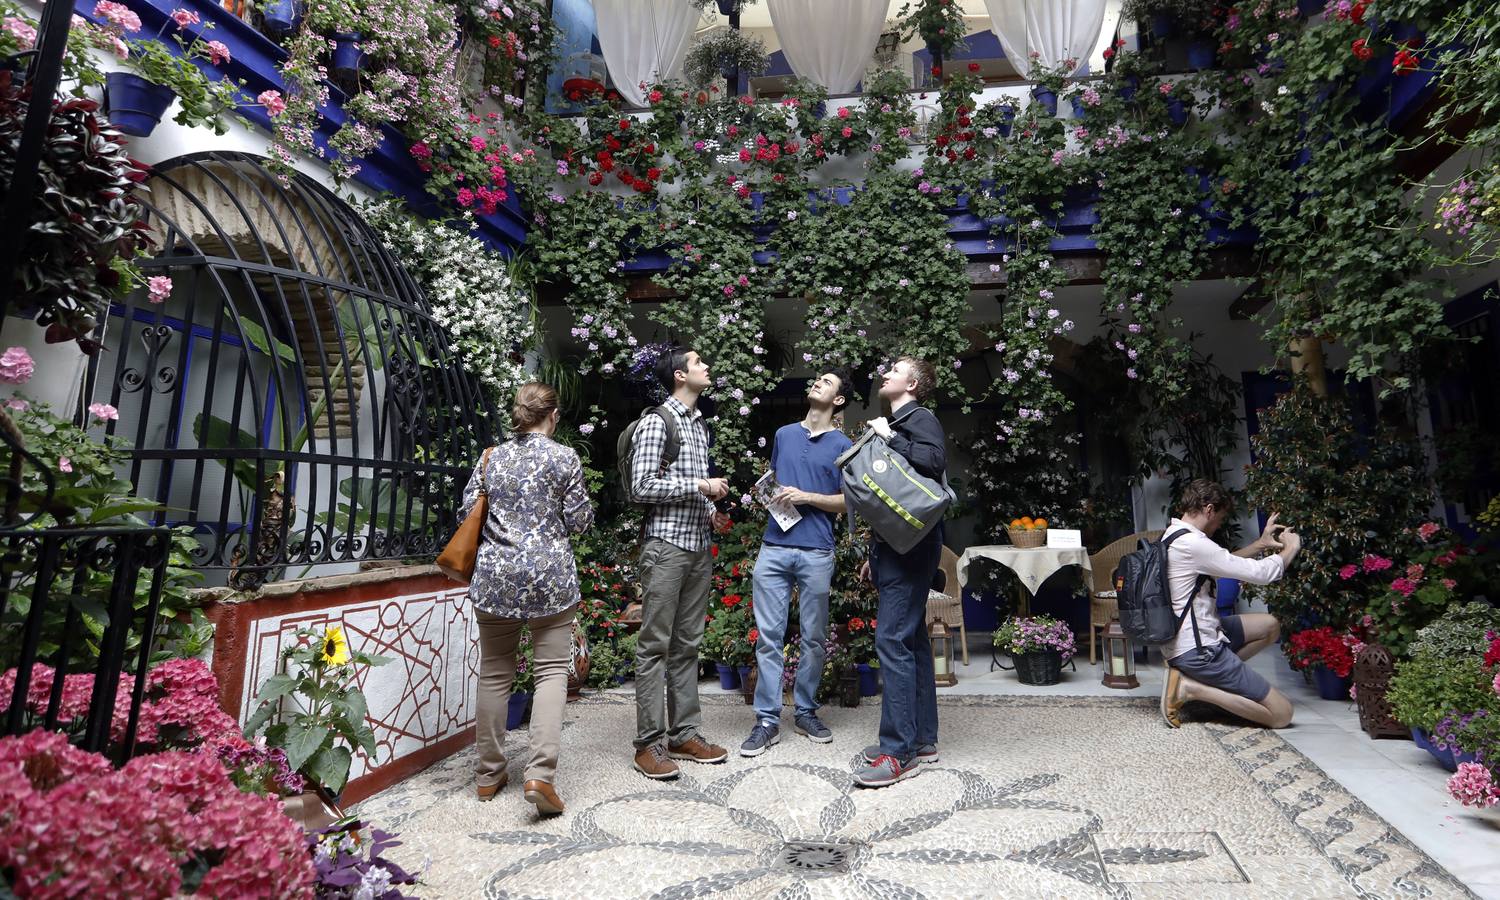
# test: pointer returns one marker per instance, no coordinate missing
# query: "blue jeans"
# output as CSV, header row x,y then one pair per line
x,y
908,706
777,570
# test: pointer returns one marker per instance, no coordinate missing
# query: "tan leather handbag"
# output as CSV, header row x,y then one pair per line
x,y
457,559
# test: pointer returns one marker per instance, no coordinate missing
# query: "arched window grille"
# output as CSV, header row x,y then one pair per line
x,y
292,401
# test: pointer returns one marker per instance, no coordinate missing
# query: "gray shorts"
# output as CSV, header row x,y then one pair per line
x,y
1221,668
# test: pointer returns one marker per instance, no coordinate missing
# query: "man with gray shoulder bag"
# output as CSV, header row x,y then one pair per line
x,y
895,477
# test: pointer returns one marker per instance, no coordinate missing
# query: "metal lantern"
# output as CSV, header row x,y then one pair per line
x,y
1119,657
942,654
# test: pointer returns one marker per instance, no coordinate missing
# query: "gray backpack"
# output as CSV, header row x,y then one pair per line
x,y
900,503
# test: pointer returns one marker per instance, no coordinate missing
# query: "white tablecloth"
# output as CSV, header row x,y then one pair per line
x,y
1032,565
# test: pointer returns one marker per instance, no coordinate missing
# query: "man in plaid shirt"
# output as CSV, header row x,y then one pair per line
x,y
676,569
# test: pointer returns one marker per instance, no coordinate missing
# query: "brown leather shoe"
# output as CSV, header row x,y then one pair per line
x,y
545,798
486,792
698,750
652,762
1171,702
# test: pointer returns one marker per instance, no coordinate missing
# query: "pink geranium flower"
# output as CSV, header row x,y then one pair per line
x,y
1373,563
64,464
117,14
16,366
104,412
1404,586
184,17
1472,785
21,31
275,105
1349,571
218,54
1427,529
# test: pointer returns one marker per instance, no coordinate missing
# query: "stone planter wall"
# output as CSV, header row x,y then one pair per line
x,y
421,703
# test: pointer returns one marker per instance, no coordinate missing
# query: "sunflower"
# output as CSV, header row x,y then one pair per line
x,y
335,647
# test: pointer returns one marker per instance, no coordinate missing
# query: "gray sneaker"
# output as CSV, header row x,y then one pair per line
x,y
813,727
885,770
762,736
927,753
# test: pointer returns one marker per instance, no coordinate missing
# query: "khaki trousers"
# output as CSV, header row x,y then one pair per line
x,y
674,587
499,643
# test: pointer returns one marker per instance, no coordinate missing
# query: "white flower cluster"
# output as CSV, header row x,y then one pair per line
x,y
469,290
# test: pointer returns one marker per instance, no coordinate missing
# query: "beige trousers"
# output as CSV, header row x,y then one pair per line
x,y
499,643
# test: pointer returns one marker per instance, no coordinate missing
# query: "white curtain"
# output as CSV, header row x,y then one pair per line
x,y
1054,29
643,41
830,42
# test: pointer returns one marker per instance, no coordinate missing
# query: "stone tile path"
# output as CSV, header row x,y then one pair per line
x,y
1035,796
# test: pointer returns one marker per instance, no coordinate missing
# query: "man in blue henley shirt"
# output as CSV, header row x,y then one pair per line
x,y
803,459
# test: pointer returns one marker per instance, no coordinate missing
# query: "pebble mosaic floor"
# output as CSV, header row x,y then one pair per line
x,y
1034,797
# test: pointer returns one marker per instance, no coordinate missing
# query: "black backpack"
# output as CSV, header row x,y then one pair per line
x,y
625,447
1145,597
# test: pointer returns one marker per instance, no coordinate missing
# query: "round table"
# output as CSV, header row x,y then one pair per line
x,y
1032,565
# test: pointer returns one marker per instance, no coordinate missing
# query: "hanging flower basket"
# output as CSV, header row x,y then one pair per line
x,y
134,105
1200,55
279,17
1048,99
346,53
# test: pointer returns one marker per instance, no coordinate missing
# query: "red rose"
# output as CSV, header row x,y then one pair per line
x,y
973,67
1361,49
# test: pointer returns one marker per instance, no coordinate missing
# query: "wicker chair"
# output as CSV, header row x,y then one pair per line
x,y
948,604
1102,603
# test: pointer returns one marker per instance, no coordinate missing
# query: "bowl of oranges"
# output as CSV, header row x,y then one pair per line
x,y
1027,532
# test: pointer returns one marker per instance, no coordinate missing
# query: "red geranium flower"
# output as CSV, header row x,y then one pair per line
x,y
596,178
1406,62
713,550
624,124
938,71
1361,49
973,67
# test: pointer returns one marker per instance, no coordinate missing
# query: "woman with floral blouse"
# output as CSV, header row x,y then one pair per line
x,y
525,575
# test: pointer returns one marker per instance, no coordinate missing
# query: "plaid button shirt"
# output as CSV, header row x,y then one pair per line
x,y
677,513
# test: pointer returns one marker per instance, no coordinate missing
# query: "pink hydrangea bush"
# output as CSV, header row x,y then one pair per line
x,y
166,825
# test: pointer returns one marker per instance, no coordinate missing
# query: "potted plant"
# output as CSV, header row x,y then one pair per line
x,y
726,640
1038,645
1328,655
524,686
724,52
135,101
1426,689
325,723
1047,81
940,24
340,21
1165,18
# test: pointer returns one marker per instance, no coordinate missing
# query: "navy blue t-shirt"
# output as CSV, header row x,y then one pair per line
x,y
807,463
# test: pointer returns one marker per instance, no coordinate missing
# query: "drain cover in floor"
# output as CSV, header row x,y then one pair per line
x,y
816,857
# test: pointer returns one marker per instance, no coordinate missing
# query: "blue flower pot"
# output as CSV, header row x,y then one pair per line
x,y
346,53
869,683
1176,111
1079,110
1128,87
1330,686
135,105
516,711
1047,99
1162,26
1442,755
729,677
725,6
1200,55
279,17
